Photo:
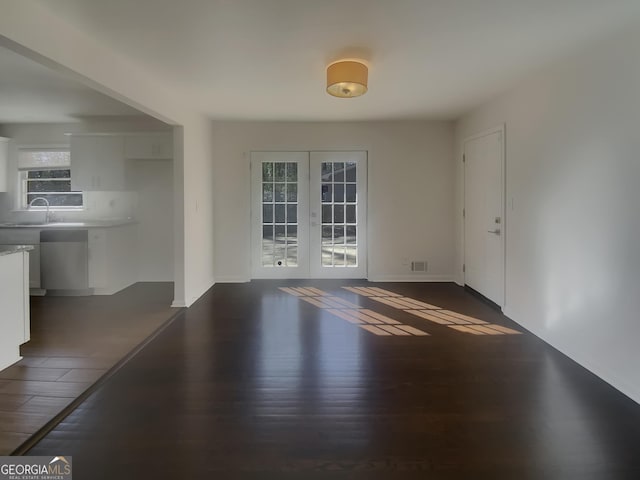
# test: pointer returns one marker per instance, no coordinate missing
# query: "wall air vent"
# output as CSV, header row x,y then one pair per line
x,y
419,266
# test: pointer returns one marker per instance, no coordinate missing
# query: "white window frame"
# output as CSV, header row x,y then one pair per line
x,y
22,193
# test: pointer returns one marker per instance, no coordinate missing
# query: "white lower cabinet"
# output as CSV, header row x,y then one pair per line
x,y
14,304
112,262
98,264
31,237
34,267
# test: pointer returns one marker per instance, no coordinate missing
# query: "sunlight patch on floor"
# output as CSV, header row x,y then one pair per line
x,y
364,318
454,320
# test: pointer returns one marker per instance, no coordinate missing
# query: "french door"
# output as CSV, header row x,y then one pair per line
x,y
309,214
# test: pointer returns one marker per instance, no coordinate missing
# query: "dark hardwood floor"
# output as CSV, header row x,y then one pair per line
x,y
254,382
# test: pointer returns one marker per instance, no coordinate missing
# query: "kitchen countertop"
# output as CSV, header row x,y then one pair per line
x,y
66,225
10,249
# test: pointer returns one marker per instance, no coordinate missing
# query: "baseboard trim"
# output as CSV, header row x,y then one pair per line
x,y
411,278
233,279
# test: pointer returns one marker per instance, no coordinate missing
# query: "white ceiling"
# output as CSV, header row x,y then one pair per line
x,y
266,59
30,93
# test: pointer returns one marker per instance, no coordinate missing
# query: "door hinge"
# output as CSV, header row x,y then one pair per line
x,y
464,158
464,268
463,213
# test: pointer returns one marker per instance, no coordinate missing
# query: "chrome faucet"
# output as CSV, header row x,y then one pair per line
x,y
46,215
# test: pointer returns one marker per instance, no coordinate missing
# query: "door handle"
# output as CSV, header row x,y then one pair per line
x,y
495,232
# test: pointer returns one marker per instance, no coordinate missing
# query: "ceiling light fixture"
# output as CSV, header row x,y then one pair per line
x,y
347,79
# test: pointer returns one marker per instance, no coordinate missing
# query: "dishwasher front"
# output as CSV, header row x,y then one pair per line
x,y
64,262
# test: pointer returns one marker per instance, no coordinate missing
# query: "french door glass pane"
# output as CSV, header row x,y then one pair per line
x,y
279,169
339,214
267,192
350,169
292,192
267,172
279,214
327,190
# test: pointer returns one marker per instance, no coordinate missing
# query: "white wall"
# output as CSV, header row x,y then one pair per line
x,y
572,224
411,179
32,30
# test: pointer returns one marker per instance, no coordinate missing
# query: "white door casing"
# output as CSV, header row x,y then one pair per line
x,y
484,219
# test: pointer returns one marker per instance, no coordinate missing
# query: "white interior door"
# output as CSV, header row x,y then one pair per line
x,y
484,214
338,189
309,213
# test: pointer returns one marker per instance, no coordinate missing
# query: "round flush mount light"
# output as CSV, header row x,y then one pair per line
x,y
347,79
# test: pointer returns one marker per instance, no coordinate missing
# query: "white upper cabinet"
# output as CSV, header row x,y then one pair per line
x,y
97,162
4,164
148,147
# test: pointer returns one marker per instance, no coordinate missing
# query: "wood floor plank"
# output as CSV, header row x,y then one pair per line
x,y
375,330
392,302
466,329
379,316
427,315
291,291
412,330
78,362
44,405
9,441
394,330
32,361
21,372
500,328
386,293
345,315
360,291
317,291
418,305
11,402
316,302
50,389
83,375
15,422
485,329
344,303
474,320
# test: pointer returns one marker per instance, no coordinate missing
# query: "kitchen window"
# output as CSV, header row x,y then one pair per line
x,y
46,173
